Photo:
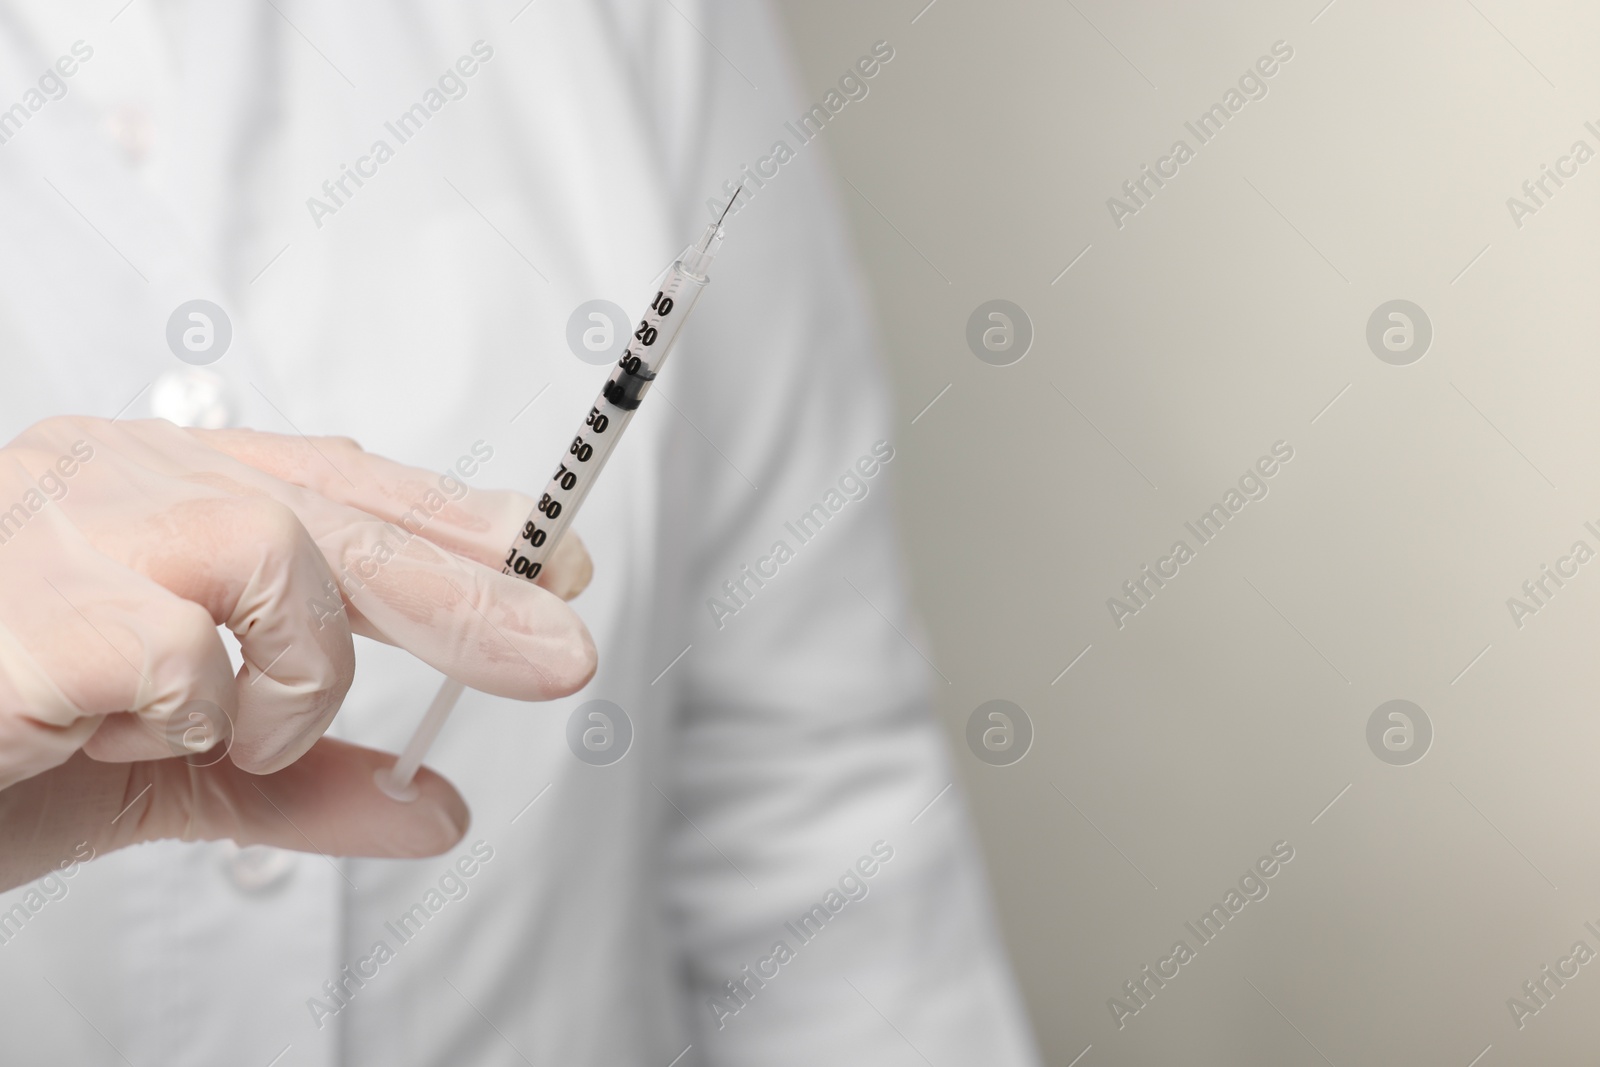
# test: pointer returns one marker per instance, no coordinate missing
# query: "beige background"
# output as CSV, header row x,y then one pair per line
x,y
1222,318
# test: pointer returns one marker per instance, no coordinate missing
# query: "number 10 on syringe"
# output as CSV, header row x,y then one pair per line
x,y
610,414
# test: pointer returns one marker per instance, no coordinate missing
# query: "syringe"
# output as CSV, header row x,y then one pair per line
x,y
596,439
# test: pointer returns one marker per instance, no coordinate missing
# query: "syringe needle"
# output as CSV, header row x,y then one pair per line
x,y
705,242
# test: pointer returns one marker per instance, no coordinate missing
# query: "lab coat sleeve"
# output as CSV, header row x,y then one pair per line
x,y
806,751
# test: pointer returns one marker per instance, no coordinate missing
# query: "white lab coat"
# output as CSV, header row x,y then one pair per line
x,y
427,314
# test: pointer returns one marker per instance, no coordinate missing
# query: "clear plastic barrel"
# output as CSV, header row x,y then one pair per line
x,y
611,412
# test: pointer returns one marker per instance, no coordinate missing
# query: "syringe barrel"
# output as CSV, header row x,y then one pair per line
x,y
610,414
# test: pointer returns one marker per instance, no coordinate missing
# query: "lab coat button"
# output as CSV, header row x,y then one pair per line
x,y
192,396
258,868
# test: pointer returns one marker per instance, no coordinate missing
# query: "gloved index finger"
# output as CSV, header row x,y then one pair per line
x,y
479,524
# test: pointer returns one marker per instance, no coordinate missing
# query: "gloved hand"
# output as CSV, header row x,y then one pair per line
x,y
124,545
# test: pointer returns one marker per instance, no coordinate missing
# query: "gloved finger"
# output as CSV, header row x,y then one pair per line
x,y
104,657
568,570
326,802
250,563
493,632
479,524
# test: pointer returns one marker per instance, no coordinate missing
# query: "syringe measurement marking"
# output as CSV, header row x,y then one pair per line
x,y
565,480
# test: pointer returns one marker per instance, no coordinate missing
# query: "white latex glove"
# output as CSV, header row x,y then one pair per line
x,y
124,545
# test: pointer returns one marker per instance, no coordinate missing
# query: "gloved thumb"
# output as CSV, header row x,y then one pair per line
x,y
326,802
